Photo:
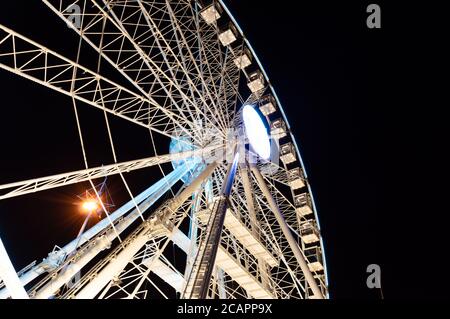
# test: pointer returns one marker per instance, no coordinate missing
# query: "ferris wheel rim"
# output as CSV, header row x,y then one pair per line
x,y
292,138
272,89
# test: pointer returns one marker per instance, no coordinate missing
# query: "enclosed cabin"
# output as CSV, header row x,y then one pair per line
x,y
267,105
228,34
309,232
243,59
314,257
296,178
255,81
211,12
278,129
303,204
287,153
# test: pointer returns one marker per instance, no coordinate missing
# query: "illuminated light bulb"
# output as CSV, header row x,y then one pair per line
x,y
89,205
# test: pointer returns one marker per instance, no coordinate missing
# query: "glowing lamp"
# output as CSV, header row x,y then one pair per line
x,y
89,206
256,132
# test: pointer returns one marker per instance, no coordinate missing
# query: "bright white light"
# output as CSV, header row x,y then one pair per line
x,y
89,205
256,132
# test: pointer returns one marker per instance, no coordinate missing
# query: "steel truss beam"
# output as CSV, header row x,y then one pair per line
x,y
287,233
163,218
198,281
117,46
142,20
58,180
145,200
9,276
183,74
37,63
254,223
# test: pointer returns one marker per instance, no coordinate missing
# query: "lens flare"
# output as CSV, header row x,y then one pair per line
x,y
89,206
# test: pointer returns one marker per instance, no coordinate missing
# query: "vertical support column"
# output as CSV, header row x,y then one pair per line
x,y
199,279
146,199
248,190
193,231
117,263
287,233
221,283
9,276
249,198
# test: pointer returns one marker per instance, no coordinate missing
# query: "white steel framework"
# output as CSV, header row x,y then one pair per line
x,y
182,71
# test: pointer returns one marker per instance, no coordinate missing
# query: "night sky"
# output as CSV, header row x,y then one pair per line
x,y
354,105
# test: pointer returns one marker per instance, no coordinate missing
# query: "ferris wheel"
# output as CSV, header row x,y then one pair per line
x,y
236,203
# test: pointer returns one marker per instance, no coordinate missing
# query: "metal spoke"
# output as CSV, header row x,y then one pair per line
x,y
59,180
183,70
46,67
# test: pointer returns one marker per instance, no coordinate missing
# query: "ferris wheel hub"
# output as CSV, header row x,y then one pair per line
x,y
183,143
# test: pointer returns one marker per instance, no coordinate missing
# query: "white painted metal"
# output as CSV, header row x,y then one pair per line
x,y
58,180
234,269
231,266
56,72
287,233
9,276
185,75
243,234
254,222
198,280
118,262
147,198
113,268
273,92
166,273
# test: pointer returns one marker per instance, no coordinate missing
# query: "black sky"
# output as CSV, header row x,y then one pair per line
x,y
364,106
356,104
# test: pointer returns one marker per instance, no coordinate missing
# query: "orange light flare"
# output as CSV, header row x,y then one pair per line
x,y
89,206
